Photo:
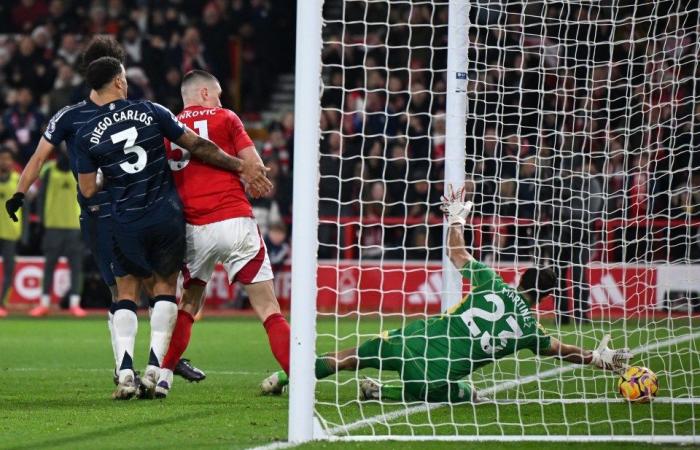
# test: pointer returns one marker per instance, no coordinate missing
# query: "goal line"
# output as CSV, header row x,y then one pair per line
x,y
333,432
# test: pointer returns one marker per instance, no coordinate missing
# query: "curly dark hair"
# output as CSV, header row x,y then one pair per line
x,y
98,47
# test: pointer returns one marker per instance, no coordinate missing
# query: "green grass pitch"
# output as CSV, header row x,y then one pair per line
x,y
55,386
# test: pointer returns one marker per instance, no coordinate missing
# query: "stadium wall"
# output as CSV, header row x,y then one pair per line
x,y
413,287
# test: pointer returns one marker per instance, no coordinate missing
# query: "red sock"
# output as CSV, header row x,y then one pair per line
x,y
179,341
278,333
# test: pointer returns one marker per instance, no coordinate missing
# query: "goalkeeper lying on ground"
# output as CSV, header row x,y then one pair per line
x,y
434,354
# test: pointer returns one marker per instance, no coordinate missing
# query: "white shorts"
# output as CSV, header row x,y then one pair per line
x,y
236,243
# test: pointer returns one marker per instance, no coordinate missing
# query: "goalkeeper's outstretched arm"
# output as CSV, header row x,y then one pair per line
x,y
456,210
602,357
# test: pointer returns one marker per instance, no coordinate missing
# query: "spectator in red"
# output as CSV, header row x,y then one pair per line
x,y
276,145
28,13
190,53
23,123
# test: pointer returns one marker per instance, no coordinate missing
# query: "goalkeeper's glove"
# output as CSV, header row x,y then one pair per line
x,y
14,204
455,208
607,359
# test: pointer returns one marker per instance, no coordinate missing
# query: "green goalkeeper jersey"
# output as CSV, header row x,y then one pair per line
x,y
491,322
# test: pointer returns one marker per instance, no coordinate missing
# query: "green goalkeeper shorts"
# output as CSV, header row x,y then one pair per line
x,y
424,375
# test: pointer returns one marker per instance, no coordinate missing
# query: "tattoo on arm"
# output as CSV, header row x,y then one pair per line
x,y
209,152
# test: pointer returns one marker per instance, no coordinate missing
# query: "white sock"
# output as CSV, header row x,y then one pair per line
x,y
74,301
162,323
45,300
166,375
125,326
112,337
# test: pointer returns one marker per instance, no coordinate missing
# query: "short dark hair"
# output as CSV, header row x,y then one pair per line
x,y
194,75
98,47
537,283
101,71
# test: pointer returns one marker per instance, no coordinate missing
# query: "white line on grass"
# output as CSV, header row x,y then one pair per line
x,y
388,417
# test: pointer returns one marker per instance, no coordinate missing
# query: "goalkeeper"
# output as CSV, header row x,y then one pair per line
x,y
433,355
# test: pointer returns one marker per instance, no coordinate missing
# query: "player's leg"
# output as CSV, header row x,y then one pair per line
x,y
125,327
247,262
129,267
97,235
200,259
163,316
165,253
264,302
73,250
7,251
51,246
190,304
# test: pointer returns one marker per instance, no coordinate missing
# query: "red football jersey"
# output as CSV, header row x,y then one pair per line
x,y
210,194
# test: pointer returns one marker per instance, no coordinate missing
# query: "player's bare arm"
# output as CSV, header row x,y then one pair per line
x,y
253,172
87,183
250,154
29,175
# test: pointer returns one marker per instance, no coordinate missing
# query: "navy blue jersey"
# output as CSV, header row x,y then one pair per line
x,y
124,138
63,126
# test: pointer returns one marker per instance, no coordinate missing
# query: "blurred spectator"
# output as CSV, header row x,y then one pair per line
x,y
189,55
168,93
60,214
277,246
266,212
63,88
28,13
276,145
23,123
69,49
215,37
29,68
10,231
576,205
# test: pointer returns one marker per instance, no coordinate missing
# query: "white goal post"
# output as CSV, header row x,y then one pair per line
x,y
573,126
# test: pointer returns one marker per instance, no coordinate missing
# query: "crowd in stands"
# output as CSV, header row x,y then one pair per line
x,y
237,40
576,113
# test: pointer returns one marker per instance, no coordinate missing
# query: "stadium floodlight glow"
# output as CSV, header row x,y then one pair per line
x,y
572,126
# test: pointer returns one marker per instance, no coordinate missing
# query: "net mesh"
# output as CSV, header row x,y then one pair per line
x,y
581,124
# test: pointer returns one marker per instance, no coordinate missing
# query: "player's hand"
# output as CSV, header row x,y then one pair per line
x,y
608,359
453,205
254,174
14,204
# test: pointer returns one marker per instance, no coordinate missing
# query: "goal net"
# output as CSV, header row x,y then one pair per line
x,y
577,129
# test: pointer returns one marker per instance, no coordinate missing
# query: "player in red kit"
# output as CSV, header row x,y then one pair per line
x,y
220,224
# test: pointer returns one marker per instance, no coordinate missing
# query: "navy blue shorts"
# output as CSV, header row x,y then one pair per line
x,y
153,248
97,235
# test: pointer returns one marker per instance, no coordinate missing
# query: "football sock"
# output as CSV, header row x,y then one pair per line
x,y
324,367
277,330
112,334
74,301
125,326
45,300
162,323
179,341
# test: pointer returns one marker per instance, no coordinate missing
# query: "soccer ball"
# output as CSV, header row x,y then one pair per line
x,y
638,384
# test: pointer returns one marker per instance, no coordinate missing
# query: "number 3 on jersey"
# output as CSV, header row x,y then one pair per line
x,y
181,163
129,137
493,317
